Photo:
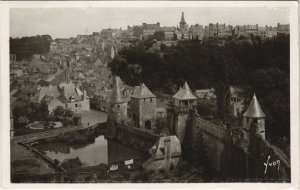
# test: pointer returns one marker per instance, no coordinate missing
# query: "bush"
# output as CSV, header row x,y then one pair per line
x,y
172,166
141,177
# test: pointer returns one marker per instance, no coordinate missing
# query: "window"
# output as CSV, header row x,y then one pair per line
x,y
150,99
148,124
76,105
118,106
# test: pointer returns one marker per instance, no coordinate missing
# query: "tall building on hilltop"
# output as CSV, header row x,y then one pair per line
x,y
182,23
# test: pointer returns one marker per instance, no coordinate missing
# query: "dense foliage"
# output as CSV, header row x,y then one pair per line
x,y
25,47
261,66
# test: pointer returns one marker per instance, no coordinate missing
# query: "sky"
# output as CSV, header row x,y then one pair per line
x,y
68,22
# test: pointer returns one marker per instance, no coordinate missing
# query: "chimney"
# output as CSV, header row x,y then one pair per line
x,y
66,76
167,148
84,95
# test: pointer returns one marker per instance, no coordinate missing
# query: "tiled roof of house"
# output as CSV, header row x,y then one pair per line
x,y
206,93
64,92
185,93
254,110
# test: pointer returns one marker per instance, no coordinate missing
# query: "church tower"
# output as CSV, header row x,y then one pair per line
x,y
118,110
182,23
254,121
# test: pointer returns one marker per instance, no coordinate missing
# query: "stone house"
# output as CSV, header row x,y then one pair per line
x,y
142,106
196,31
66,95
165,153
206,94
236,100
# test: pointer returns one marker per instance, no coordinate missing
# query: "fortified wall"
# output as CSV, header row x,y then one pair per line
x,y
225,150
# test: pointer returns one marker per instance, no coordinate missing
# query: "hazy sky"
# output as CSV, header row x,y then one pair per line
x,y
68,22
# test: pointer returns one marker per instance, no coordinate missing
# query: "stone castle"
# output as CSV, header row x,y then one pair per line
x,y
135,121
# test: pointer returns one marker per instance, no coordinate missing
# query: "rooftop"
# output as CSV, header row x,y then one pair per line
x,y
185,93
117,96
254,110
143,92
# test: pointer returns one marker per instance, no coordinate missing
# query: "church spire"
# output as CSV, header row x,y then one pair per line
x,y
182,18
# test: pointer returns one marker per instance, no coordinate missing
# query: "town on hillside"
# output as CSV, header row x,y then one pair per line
x,y
152,103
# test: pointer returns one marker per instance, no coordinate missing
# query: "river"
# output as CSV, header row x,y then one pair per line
x,y
92,154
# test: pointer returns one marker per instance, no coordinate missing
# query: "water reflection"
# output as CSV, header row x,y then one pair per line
x,y
101,151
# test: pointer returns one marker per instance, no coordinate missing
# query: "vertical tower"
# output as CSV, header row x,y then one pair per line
x,y
66,76
184,100
143,108
112,52
254,121
118,110
182,23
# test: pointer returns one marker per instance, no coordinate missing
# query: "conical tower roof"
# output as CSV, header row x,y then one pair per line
x,y
117,96
254,110
185,93
182,18
143,92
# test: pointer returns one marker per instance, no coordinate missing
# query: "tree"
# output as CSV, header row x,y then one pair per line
x,y
76,120
260,65
59,111
159,36
43,111
68,113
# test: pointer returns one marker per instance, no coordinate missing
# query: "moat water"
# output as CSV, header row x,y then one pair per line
x,y
92,154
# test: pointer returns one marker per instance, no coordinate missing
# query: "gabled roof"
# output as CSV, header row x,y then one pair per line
x,y
254,110
142,92
117,96
206,93
69,90
185,93
45,90
175,147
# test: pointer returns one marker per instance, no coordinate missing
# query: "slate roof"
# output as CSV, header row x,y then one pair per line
x,y
69,90
175,146
206,93
45,90
185,93
142,92
254,110
117,95
63,92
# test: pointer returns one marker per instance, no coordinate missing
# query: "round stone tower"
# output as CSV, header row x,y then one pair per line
x,y
118,108
254,121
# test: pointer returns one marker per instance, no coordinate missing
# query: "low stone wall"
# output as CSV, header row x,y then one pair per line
x,y
136,138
